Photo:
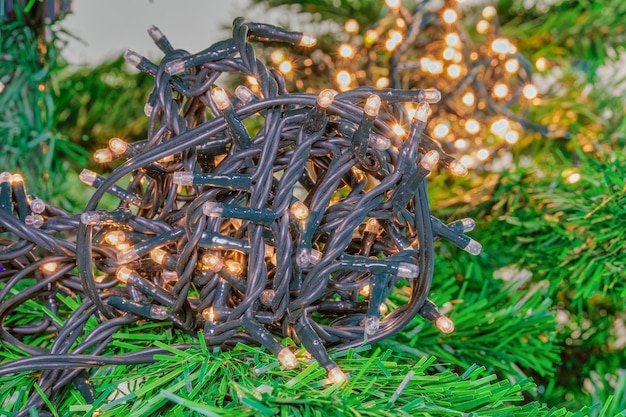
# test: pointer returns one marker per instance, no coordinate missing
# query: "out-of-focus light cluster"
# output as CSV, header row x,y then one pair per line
x,y
485,83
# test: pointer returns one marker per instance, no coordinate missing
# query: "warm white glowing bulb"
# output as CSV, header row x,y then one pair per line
x,y
482,154
124,273
472,126
461,144
365,290
454,71
395,38
336,375
512,136
398,129
115,237
441,131
449,16
448,53
489,12
500,90
220,98
277,56
444,324
430,160
299,210
102,156
541,64
307,40
511,65
382,82
482,27
87,176
50,267
343,78
422,112
234,267
287,358
372,105
213,262
530,91
326,97
158,255
392,4
17,179
118,146
346,51
500,126
468,99
209,314
574,177
452,39
285,67
503,46
458,168
351,27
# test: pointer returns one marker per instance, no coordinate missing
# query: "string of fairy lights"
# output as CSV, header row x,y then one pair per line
x,y
486,84
250,216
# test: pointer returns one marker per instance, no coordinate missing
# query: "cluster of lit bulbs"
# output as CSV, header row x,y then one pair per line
x,y
486,85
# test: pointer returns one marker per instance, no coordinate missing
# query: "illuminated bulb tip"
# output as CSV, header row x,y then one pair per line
x,y
209,314
372,226
213,262
511,137
315,257
346,51
392,4
473,247
307,40
365,290
482,154
444,324
124,273
299,210
372,105
458,169
454,71
175,67
212,209
472,126
452,39
500,126
182,178
147,109
244,94
132,57
468,99
117,146
158,255
421,114
169,276
87,176
90,218
530,91
115,237
287,358
336,375
158,313
449,16
155,33
127,255
511,65
326,97
468,224
220,98
344,79
441,131
398,130
503,46
102,156
17,179
430,160
383,309
371,325
489,12
351,27
285,67
49,267
234,267
382,82
407,270
541,64
500,90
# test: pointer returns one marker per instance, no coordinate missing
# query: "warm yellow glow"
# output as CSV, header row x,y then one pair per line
x,y
158,255
441,131
50,267
365,290
351,27
500,90
467,161
392,4
382,82
326,97
468,99
307,40
422,112
395,38
530,91
511,65
124,273
482,154
482,27
102,156
461,144
472,126
343,78
209,314
573,177
17,179
500,126
444,324
489,12
512,136
454,71
277,56
220,98
371,36
449,16
398,130
287,358
383,309
346,51
117,146
372,105
115,237
541,64
432,66
213,262
449,53
285,67
453,39
503,46
252,80
299,210
336,376
234,267
458,168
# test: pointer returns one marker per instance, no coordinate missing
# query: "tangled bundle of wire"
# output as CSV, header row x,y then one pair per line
x,y
249,217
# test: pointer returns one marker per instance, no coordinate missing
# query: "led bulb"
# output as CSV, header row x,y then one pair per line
x,y
307,40
379,142
454,71
287,358
351,27
50,267
511,137
234,267
383,309
343,79
336,375
395,39
398,130
421,114
17,179
482,154
90,218
87,176
461,144
482,27
371,325
444,324
468,224
169,276
452,39
115,237
468,99
382,82
458,169
365,290
34,220
441,131
267,297
37,206
346,51
511,65
392,4
449,16
430,160
220,98
541,64
500,126
285,67
277,56
430,96
182,178
147,109
299,210
407,270
213,209
175,67
472,126
127,255
124,274
158,313
155,33
117,146
530,91
102,156
158,255
372,105
132,57
489,12
213,262
473,247
503,46
209,314
315,256
500,90
326,97
244,94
